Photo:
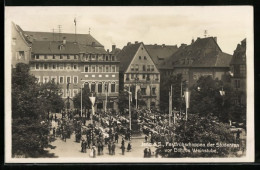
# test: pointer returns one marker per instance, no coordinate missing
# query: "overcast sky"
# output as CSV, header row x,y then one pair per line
x,y
160,25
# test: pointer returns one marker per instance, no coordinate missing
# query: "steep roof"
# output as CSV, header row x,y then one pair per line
x,y
126,55
91,49
159,53
239,56
204,52
49,47
86,39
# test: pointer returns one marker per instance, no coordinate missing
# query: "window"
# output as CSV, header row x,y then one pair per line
x,y
127,76
20,55
75,57
100,57
61,80
87,57
237,83
144,68
68,79
45,66
113,58
61,66
152,104
113,69
140,57
54,66
93,87
143,91
143,76
38,79
61,57
152,67
132,76
45,79
107,68
37,66
153,91
86,69
75,92
93,68
136,67
236,69
37,57
106,57
75,66
68,93
99,87
242,70
68,66
132,67
75,79
100,69
148,77
53,57
54,79
113,88
68,57
93,57
145,58
148,67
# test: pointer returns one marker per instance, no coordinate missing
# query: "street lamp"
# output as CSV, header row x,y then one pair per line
x,y
130,100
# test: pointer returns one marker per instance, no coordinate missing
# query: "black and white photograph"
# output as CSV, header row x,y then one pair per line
x,y
129,84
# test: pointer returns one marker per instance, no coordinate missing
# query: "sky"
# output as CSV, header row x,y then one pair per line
x,y
151,25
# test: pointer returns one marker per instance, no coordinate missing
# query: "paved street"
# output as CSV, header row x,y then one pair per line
x,y
70,148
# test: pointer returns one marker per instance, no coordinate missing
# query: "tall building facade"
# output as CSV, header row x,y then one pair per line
x,y
238,68
138,70
74,62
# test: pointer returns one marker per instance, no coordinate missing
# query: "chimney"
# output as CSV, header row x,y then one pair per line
x,y
113,47
183,45
64,41
155,44
129,43
108,50
93,44
163,45
215,38
192,41
136,42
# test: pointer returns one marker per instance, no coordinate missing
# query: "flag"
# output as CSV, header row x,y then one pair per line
x,y
135,92
187,98
130,95
75,21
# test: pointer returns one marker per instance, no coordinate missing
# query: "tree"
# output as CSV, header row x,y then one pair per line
x,y
205,98
177,101
30,102
86,103
203,130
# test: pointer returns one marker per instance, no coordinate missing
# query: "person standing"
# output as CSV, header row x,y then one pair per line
x,y
146,152
116,137
123,141
113,148
129,147
109,147
55,117
123,149
54,131
82,145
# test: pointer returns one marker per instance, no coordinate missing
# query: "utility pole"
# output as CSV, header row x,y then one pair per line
x,y
59,27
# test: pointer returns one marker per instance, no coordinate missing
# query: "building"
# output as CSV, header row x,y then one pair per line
x,y
201,58
238,69
138,70
73,61
21,47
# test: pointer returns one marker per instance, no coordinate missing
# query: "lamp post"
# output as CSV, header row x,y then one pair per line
x,y
81,100
130,100
136,79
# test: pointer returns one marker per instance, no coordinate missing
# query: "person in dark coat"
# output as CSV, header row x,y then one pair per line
x,y
123,141
109,147
116,137
129,147
145,138
123,149
113,148
146,152
54,131
82,145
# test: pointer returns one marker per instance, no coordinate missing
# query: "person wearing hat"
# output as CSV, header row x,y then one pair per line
x,y
113,148
82,145
123,148
129,147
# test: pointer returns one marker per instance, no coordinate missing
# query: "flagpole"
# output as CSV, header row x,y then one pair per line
x,y
129,108
75,29
81,101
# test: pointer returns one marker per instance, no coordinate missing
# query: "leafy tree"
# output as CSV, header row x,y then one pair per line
x,y
177,101
30,103
86,103
205,98
203,130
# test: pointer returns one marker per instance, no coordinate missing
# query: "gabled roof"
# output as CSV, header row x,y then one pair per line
x,y
86,39
159,53
126,55
239,56
49,47
204,52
